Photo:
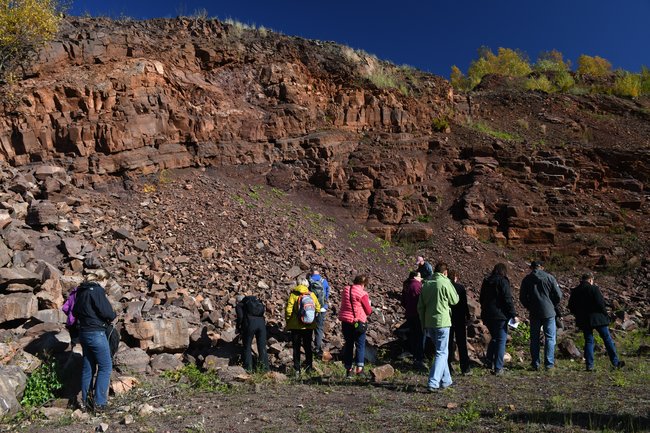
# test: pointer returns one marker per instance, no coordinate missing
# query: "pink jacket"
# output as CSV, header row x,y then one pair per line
x,y
361,304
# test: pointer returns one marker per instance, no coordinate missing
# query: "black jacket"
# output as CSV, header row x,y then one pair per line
x,y
244,319
496,299
460,311
540,294
588,306
91,308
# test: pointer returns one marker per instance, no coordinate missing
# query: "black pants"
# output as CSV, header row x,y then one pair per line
x,y
416,340
459,332
255,327
302,337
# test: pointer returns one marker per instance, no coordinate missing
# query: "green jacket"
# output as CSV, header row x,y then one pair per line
x,y
291,311
438,295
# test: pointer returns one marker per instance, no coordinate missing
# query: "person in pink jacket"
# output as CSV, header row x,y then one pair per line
x,y
354,312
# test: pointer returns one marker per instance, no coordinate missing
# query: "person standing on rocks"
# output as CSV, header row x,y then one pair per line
x,y
588,306
93,312
540,295
353,314
497,308
410,295
321,288
434,309
301,332
459,319
250,323
424,268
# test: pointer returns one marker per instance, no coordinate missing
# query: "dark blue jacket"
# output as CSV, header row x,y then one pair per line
x,y
91,308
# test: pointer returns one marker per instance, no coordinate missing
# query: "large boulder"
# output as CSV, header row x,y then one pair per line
x,y
132,360
12,386
19,276
163,335
17,306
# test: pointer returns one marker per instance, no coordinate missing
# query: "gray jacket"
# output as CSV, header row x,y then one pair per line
x,y
540,294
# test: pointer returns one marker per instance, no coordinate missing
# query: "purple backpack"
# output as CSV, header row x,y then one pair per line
x,y
68,306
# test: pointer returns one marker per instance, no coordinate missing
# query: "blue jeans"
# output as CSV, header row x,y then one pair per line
x,y
439,376
96,359
589,345
496,349
549,341
353,339
318,333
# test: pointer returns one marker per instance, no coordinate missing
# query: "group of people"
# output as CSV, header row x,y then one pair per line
x,y
305,312
436,309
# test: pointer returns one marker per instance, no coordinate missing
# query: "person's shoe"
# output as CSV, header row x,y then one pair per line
x,y
534,368
451,385
620,364
549,367
296,374
466,372
499,373
589,368
99,409
348,373
432,389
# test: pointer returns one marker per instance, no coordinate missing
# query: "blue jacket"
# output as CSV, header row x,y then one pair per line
x,y
326,287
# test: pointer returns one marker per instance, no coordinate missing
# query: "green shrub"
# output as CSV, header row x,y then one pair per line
x,y
551,61
540,83
520,336
383,79
593,66
458,80
564,81
627,84
41,384
506,62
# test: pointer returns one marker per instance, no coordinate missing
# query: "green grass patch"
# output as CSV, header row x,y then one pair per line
x,y
484,128
193,377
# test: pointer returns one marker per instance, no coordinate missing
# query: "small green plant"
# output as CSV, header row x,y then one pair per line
x,y
278,192
520,336
42,384
254,192
200,380
440,124
239,199
618,379
466,417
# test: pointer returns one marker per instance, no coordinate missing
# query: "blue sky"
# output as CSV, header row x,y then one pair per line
x,y
429,34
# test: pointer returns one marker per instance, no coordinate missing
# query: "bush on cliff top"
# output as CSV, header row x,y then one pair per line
x,y
25,25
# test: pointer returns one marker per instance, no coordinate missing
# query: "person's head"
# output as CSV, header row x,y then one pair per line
x,y
99,276
500,269
419,261
314,271
536,264
441,268
360,280
239,298
453,275
587,277
413,274
303,282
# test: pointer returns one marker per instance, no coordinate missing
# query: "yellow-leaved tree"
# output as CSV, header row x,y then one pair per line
x,y
25,25
593,66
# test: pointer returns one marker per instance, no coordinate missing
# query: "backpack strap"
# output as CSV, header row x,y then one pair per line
x,y
352,305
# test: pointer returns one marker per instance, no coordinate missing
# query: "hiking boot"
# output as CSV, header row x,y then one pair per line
x,y
499,373
99,409
348,373
467,372
620,364
432,389
589,368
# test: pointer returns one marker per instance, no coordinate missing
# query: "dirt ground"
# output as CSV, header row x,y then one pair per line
x,y
566,399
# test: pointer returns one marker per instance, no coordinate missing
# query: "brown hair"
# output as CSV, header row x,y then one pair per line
x,y
452,275
361,280
441,267
500,269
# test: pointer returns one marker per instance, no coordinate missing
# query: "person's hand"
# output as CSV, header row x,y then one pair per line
x,y
322,310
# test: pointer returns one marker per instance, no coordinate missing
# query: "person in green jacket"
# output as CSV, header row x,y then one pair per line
x,y
434,309
301,333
